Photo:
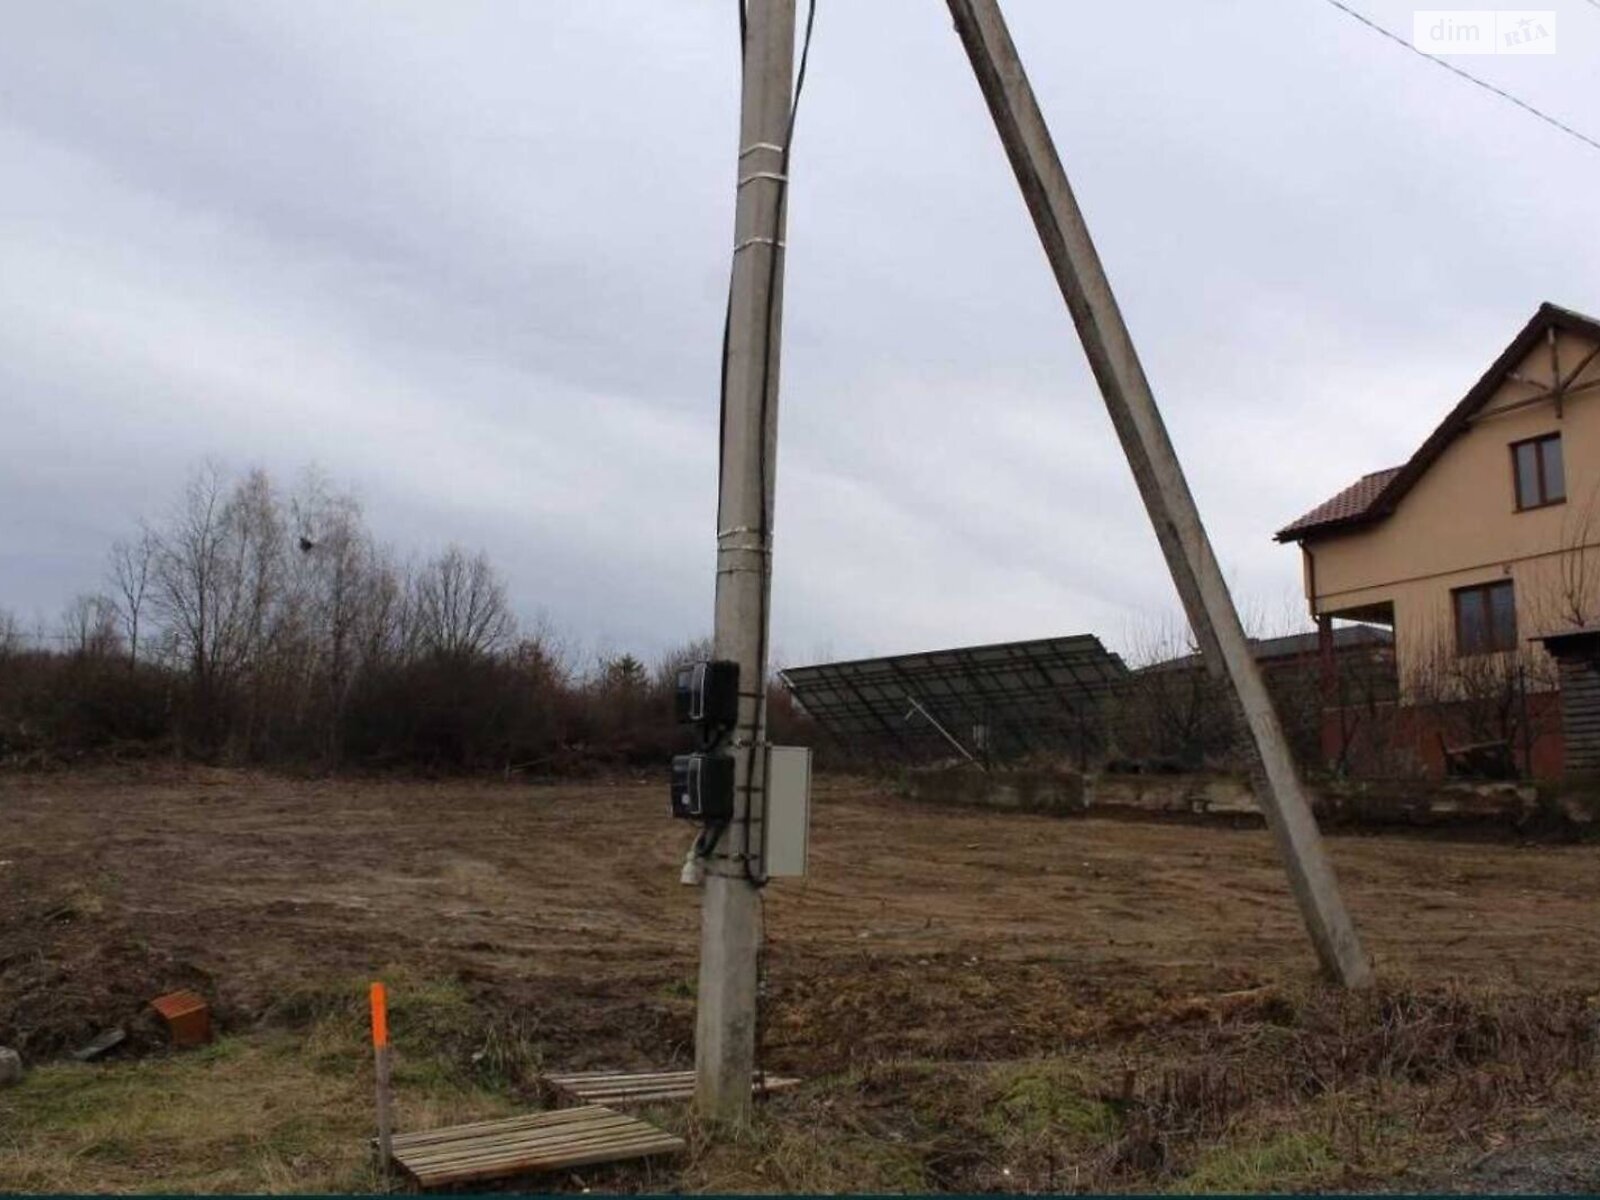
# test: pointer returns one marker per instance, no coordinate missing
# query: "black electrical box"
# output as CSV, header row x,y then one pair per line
x,y
708,694
702,787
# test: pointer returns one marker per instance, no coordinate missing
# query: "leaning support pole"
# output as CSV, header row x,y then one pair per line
x,y
1109,347
730,922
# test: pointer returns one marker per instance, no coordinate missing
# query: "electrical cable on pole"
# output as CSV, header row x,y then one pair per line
x,y
731,959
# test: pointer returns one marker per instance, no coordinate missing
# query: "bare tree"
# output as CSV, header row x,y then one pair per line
x,y
216,575
384,624
187,568
10,635
254,527
1572,598
349,593
461,607
130,574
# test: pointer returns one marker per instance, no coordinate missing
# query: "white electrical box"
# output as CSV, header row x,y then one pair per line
x,y
788,825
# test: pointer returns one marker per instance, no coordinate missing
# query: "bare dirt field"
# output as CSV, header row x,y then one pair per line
x,y
978,1000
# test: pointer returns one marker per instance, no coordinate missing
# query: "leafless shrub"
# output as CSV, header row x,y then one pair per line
x,y
10,635
1482,699
89,627
1171,712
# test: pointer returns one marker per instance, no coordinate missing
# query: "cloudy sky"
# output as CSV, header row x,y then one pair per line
x,y
470,259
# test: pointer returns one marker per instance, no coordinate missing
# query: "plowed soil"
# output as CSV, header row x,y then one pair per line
x,y
938,933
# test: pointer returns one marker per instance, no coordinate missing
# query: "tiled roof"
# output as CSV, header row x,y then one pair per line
x,y
1374,496
1349,505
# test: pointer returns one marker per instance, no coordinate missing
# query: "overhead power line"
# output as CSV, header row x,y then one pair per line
x,y
1455,70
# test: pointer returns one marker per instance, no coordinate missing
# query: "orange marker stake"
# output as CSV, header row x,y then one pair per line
x,y
380,1016
380,1051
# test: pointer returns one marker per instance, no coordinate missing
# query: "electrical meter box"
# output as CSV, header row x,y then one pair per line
x,y
702,787
707,693
787,842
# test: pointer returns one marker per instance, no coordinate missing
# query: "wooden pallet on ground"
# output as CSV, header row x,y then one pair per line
x,y
621,1088
545,1141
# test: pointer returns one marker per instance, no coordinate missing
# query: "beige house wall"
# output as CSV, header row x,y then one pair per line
x,y
1459,524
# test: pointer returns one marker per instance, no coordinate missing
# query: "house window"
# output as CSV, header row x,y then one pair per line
x,y
1486,618
1541,479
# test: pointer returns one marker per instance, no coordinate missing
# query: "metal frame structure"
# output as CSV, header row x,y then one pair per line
x,y
1026,697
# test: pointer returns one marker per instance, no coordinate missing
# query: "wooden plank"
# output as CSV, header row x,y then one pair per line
x,y
612,1087
515,1164
502,1170
476,1172
615,1137
558,1116
620,1077
532,1142
650,1097
524,1136
674,1079
490,1154
601,1095
552,1117
621,1082
446,1136
524,1140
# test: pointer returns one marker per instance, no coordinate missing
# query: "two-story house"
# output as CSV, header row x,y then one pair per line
x,y
1489,535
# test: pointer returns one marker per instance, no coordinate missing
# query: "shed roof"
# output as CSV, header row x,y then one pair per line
x,y
1291,646
1581,638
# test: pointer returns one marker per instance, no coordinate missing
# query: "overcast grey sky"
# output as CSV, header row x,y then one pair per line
x,y
470,259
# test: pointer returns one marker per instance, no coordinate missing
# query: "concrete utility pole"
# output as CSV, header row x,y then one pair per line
x,y
730,929
1127,394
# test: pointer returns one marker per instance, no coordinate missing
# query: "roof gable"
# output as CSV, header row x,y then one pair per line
x,y
1375,496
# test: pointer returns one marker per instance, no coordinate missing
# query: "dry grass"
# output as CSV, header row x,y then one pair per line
x,y
246,1114
1315,1090
287,1108
1311,1090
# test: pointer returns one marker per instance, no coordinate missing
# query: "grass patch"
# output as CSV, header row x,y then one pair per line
x,y
441,1034
683,988
277,1110
1284,1162
1047,1098
239,1116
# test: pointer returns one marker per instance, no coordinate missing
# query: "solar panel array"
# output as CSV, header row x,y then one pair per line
x,y
997,702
